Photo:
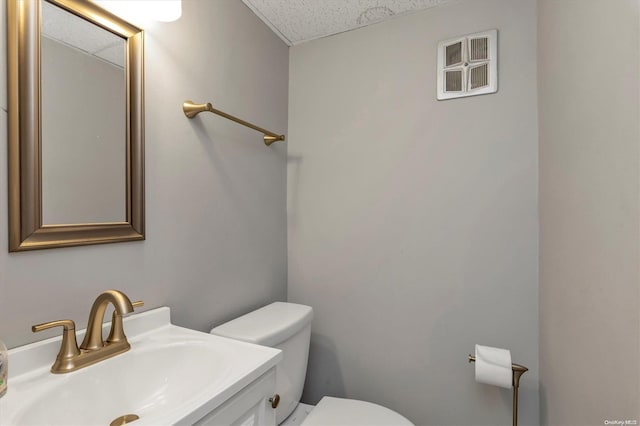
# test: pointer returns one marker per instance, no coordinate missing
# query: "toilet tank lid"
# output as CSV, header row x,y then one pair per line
x,y
269,325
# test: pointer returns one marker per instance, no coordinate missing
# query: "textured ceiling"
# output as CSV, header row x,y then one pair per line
x,y
297,21
64,27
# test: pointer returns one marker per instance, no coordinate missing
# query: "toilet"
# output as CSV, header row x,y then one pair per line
x,y
287,326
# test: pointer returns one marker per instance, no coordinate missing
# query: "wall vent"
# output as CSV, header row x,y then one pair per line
x,y
468,65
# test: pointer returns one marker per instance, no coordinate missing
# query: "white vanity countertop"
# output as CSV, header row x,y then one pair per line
x,y
171,375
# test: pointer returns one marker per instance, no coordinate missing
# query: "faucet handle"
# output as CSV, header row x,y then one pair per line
x,y
67,324
69,347
137,304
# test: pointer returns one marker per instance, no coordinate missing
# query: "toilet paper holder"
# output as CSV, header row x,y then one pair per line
x,y
518,370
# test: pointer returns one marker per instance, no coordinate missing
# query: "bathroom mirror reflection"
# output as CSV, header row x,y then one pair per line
x,y
84,150
76,145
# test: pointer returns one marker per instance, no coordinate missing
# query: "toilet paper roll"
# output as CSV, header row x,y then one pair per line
x,y
493,366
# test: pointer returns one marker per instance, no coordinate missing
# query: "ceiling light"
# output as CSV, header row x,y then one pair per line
x,y
139,11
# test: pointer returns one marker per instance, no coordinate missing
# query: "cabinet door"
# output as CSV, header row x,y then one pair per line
x,y
249,407
258,415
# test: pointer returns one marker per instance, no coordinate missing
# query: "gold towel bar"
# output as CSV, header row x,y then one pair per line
x,y
191,110
517,371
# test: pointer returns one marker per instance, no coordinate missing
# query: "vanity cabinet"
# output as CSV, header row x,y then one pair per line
x,y
248,407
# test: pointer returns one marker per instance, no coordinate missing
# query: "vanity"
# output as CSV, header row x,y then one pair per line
x,y
171,375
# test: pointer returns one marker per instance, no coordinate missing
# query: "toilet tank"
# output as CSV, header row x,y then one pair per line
x,y
285,326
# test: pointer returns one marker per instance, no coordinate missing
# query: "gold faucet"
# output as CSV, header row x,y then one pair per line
x,y
93,348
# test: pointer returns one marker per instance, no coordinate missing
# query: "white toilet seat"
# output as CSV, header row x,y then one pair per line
x,y
351,412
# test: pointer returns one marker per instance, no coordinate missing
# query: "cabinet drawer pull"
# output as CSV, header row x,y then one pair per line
x,y
274,400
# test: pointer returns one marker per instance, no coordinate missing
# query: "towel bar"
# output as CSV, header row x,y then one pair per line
x,y
191,109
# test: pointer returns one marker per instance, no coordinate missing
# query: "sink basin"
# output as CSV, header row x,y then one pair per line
x,y
171,375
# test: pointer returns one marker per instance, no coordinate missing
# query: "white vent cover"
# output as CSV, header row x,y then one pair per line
x,y
468,65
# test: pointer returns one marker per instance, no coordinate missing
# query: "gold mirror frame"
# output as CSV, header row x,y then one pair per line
x,y
26,230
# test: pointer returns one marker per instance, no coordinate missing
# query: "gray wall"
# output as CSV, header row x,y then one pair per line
x,y
589,53
413,225
216,197
84,139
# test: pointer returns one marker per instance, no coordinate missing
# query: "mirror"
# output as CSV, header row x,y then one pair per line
x,y
76,148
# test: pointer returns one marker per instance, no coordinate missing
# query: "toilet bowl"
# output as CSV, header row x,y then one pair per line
x,y
341,412
287,326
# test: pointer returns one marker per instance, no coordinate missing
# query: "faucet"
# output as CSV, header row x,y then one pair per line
x,y
93,348
93,337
